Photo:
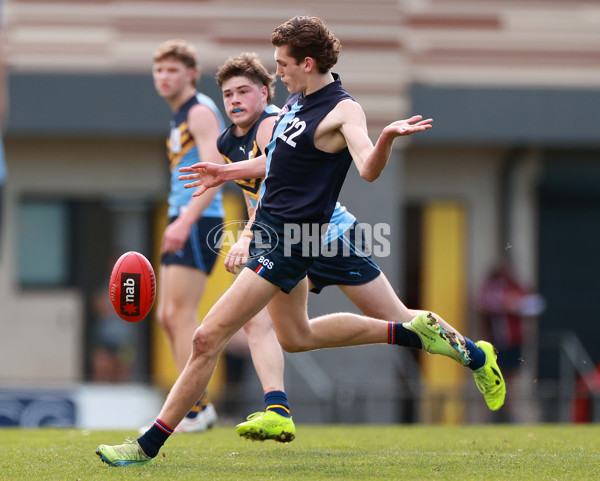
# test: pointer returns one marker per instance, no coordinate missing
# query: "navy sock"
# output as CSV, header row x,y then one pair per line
x,y
153,439
398,334
277,401
477,355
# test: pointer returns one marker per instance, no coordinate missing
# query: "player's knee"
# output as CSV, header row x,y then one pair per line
x,y
171,317
255,330
164,318
201,343
168,319
207,342
292,345
250,329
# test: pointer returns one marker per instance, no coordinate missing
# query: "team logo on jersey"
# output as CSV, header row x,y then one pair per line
x,y
175,140
283,111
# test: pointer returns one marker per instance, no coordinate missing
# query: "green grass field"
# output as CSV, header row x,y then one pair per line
x,y
490,452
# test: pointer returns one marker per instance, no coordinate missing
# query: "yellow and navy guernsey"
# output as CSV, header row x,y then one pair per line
x,y
245,147
183,152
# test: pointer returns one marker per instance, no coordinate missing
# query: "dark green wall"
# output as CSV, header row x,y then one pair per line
x,y
94,105
569,259
126,104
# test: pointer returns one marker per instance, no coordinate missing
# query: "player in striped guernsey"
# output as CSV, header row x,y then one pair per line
x,y
319,132
3,118
188,252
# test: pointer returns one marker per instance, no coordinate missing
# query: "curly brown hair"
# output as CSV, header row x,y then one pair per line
x,y
308,37
247,65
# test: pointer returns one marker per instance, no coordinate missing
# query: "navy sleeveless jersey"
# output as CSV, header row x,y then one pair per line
x,y
302,182
237,149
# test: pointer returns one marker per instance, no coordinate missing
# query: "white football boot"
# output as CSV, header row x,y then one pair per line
x,y
205,420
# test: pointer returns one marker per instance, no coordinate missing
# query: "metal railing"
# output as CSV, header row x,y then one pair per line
x,y
573,378
575,363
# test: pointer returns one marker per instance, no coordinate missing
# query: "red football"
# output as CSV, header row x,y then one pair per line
x,y
132,286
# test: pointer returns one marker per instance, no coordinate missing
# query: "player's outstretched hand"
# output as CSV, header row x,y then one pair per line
x,y
204,176
409,126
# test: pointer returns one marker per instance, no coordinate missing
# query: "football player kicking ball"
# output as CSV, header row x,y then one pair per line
x,y
189,252
247,93
317,135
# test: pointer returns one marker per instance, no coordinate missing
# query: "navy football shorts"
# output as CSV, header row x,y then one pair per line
x,y
349,262
201,249
275,257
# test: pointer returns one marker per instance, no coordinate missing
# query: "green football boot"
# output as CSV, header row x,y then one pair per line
x,y
267,425
489,379
438,337
126,454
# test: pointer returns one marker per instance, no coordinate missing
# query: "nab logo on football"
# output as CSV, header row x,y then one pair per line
x,y
132,287
130,294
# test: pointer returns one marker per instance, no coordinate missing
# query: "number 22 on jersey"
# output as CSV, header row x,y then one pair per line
x,y
298,126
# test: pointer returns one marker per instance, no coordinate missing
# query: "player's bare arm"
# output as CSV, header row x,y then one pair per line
x,y
205,176
239,252
204,127
3,92
371,160
263,134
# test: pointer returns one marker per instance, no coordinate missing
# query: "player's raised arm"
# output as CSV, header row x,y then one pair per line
x,y
206,175
371,160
